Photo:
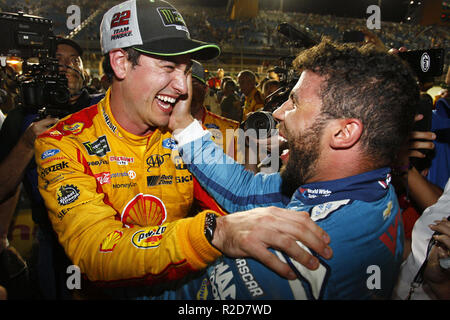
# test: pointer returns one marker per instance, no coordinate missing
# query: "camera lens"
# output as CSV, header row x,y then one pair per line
x,y
261,121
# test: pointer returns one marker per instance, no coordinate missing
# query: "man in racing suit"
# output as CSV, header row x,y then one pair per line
x,y
222,129
253,97
334,171
116,190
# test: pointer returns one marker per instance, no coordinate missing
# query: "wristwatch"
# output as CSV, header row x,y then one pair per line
x,y
210,226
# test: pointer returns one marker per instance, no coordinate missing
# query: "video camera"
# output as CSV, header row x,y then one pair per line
x,y
42,89
263,120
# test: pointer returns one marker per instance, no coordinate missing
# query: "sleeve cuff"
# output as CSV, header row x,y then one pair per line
x,y
197,246
192,132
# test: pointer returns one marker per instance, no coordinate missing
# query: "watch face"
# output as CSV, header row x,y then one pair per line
x,y
210,226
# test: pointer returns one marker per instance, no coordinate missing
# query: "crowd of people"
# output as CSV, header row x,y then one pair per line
x,y
142,169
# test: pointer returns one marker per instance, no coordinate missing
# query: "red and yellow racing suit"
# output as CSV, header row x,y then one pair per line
x,y
254,101
116,200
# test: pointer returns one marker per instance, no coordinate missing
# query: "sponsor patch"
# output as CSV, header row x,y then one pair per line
x,y
49,153
314,193
172,18
67,194
148,238
109,243
202,293
387,211
55,133
121,160
99,147
56,167
183,179
108,121
156,160
170,143
97,162
144,210
159,180
103,177
324,209
75,128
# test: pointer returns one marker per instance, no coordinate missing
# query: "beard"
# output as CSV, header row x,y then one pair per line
x,y
304,152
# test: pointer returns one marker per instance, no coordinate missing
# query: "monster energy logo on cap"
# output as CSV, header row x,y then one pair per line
x,y
171,17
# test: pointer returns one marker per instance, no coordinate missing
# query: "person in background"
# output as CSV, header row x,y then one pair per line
x,y
269,87
222,129
231,104
17,165
253,97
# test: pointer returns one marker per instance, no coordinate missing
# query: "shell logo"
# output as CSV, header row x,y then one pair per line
x,y
144,210
109,243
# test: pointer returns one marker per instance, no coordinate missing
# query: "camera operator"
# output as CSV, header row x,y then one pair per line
x,y
17,136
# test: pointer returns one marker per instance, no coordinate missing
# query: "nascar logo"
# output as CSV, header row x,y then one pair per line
x,y
148,238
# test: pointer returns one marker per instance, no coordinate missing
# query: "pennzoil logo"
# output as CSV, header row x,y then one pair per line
x,y
109,243
75,128
149,237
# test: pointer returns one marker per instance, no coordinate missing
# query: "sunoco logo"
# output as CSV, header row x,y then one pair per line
x,y
425,62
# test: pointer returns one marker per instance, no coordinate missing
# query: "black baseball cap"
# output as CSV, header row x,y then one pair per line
x,y
152,27
198,71
70,42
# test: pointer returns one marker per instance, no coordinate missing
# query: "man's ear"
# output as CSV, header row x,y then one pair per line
x,y
119,63
346,133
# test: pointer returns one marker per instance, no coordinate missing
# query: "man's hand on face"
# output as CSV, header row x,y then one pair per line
x,y
181,114
251,233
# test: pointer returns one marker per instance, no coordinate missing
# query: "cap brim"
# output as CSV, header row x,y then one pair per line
x,y
179,46
71,43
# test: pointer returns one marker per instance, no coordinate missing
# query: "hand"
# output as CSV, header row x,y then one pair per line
x,y
414,145
35,129
181,114
251,233
435,276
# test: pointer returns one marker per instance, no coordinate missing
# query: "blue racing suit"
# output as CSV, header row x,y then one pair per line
x,y
360,213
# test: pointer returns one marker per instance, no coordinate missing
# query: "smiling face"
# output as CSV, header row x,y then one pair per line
x,y
150,90
301,123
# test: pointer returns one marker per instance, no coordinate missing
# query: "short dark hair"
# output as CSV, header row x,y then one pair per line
x,y
133,57
368,84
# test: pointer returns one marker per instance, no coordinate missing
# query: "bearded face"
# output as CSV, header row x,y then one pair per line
x,y
304,152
